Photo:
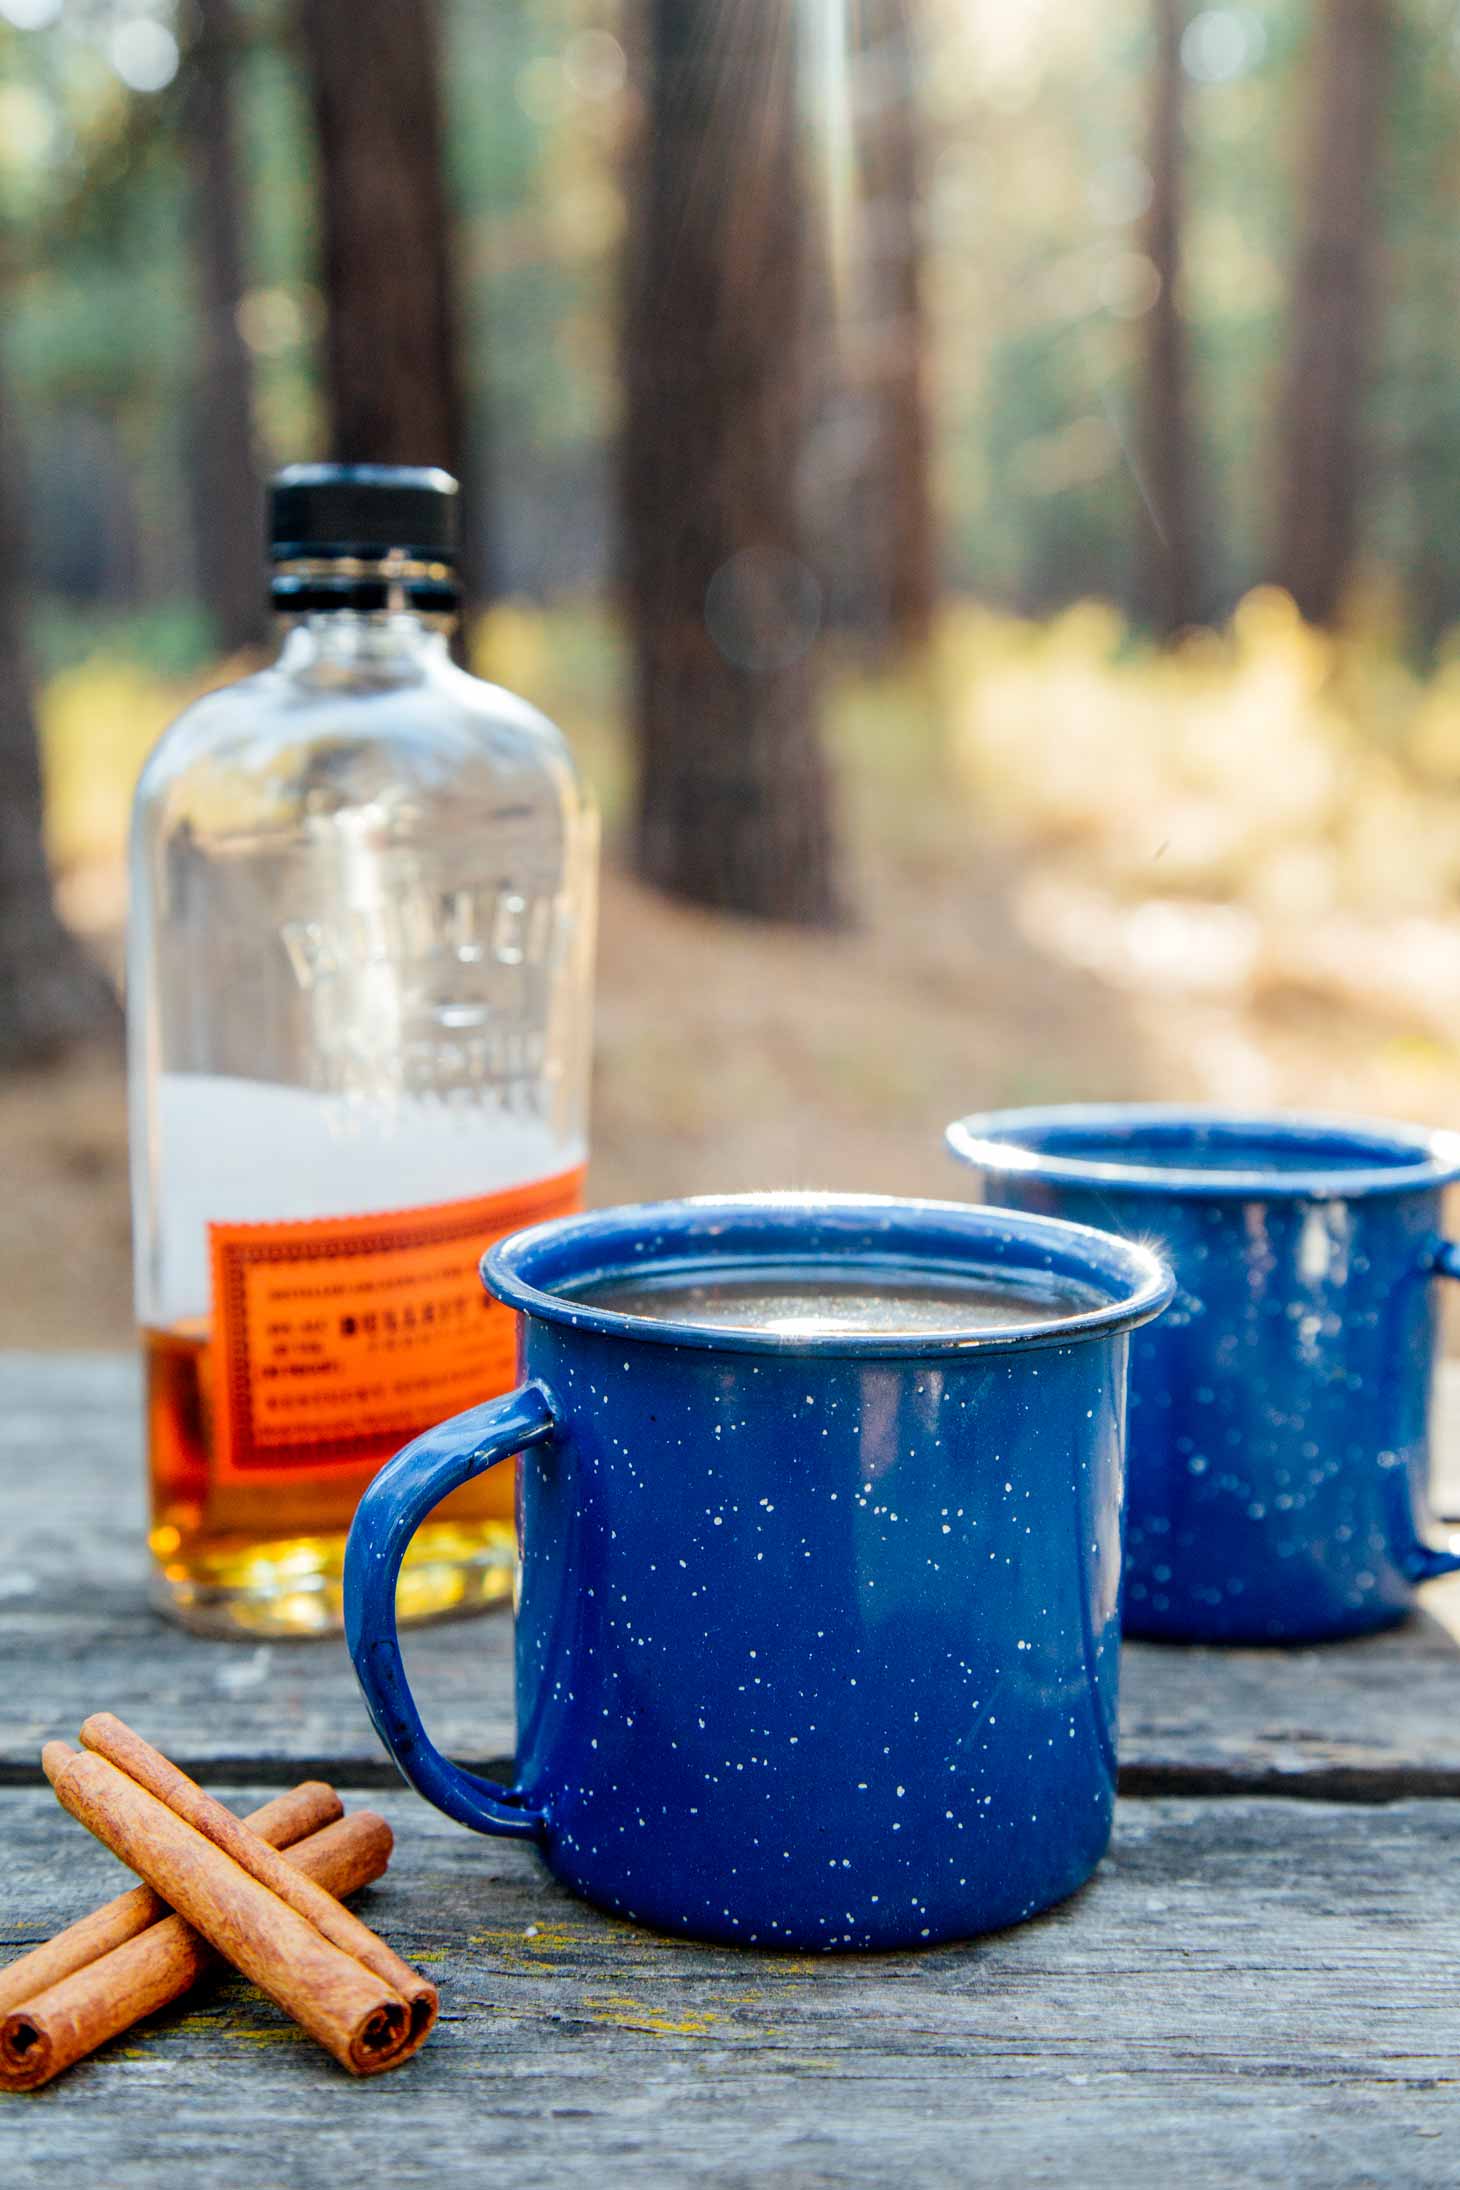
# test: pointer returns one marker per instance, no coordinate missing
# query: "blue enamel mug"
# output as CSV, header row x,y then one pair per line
x,y
817,1635
1280,1412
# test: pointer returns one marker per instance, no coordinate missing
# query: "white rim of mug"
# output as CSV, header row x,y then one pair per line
x,y
991,1141
1150,1286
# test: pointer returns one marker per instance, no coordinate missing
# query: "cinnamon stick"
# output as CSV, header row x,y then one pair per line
x,y
56,2026
288,1818
110,1737
355,2014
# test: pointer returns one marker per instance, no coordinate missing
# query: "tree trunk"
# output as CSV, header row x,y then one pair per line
x,y
1431,398
228,507
901,537
1334,304
51,994
734,803
1171,590
391,359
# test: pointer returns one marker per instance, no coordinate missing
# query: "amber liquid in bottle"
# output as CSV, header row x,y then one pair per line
x,y
210,1544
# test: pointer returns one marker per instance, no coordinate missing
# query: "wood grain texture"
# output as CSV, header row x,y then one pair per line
x,y
1249,1992
1368,1720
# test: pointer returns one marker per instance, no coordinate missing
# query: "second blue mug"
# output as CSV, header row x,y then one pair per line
x,y
818,1634
1279,1429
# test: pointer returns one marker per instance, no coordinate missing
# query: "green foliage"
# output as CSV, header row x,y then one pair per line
x,y
170,641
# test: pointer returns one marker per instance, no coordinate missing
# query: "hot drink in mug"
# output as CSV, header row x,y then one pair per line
x,y
820,1521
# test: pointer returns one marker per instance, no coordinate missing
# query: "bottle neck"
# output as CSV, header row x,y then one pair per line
x,y
382,641
369,612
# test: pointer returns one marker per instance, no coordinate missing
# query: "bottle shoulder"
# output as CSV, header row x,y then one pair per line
x,y
332,739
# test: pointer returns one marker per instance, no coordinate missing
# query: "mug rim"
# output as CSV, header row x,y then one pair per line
x,y
1405,1158
512,1265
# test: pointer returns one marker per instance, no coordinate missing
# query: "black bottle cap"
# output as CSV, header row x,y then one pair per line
x,y
362,511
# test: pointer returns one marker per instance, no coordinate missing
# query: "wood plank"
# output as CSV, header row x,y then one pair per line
x,y
1249,1991
1372,1719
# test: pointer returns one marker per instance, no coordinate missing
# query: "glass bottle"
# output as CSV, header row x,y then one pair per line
x,y
362,903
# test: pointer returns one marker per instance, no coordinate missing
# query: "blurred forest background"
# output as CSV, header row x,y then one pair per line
x,y
975,481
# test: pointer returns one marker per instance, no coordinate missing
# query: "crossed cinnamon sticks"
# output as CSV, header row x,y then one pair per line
x,y
261,1892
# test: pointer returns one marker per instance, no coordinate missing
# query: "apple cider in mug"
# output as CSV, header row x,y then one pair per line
x,y
359,964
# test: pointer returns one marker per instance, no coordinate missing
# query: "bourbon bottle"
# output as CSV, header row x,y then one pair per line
x,y
362,898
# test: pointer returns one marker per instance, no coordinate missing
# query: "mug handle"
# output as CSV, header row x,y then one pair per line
x,y
393,1507
1432,1560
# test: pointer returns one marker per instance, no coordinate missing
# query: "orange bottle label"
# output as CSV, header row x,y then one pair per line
x,y
339,1339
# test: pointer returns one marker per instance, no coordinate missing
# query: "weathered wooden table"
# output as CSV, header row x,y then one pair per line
x,y
1261,1985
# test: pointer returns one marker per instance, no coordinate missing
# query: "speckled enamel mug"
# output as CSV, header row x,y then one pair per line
x,y
817,1636
1279,1430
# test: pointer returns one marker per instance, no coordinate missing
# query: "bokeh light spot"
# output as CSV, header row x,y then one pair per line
x,y
595,65
144,54
1127,284
763,608
30,14
273,321
1220,44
